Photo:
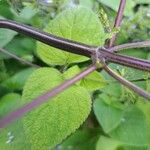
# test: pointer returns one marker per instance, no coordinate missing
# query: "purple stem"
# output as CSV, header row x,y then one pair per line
x,y
49,39
125,60
43,98
130,45
118,20
125,46
68,45
23,61
127,83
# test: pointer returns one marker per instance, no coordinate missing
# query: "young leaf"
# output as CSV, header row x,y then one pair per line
x,y
78,24
47,125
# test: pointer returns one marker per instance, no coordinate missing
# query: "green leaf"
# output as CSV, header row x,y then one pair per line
x,y
145,107
134,148
142,1
91,82
5,10
3,91
137,25
105,143
114,4
130,73
18,80
6,35
53,121
12,137
81,140
26,14
108,115
87,3
113,88
133,129
3,71
125,124
72,24
139,53
71,72
148,57
8,103
21,46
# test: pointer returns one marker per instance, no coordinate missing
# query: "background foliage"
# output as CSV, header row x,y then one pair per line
x,y
119,119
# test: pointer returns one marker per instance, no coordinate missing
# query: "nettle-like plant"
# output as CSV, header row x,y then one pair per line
x,y
57,100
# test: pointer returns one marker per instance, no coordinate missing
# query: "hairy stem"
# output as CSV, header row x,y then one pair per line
x,y
130,45
43,98
23,61
127,83
118,20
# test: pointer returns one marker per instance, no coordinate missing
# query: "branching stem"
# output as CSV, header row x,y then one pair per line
x,y
81,49
72,46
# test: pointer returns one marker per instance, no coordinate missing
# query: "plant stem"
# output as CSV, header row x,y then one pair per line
x,y
23,61
127,83
130,45
43,98
49,39
125,60
136,80
72,46
118,20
